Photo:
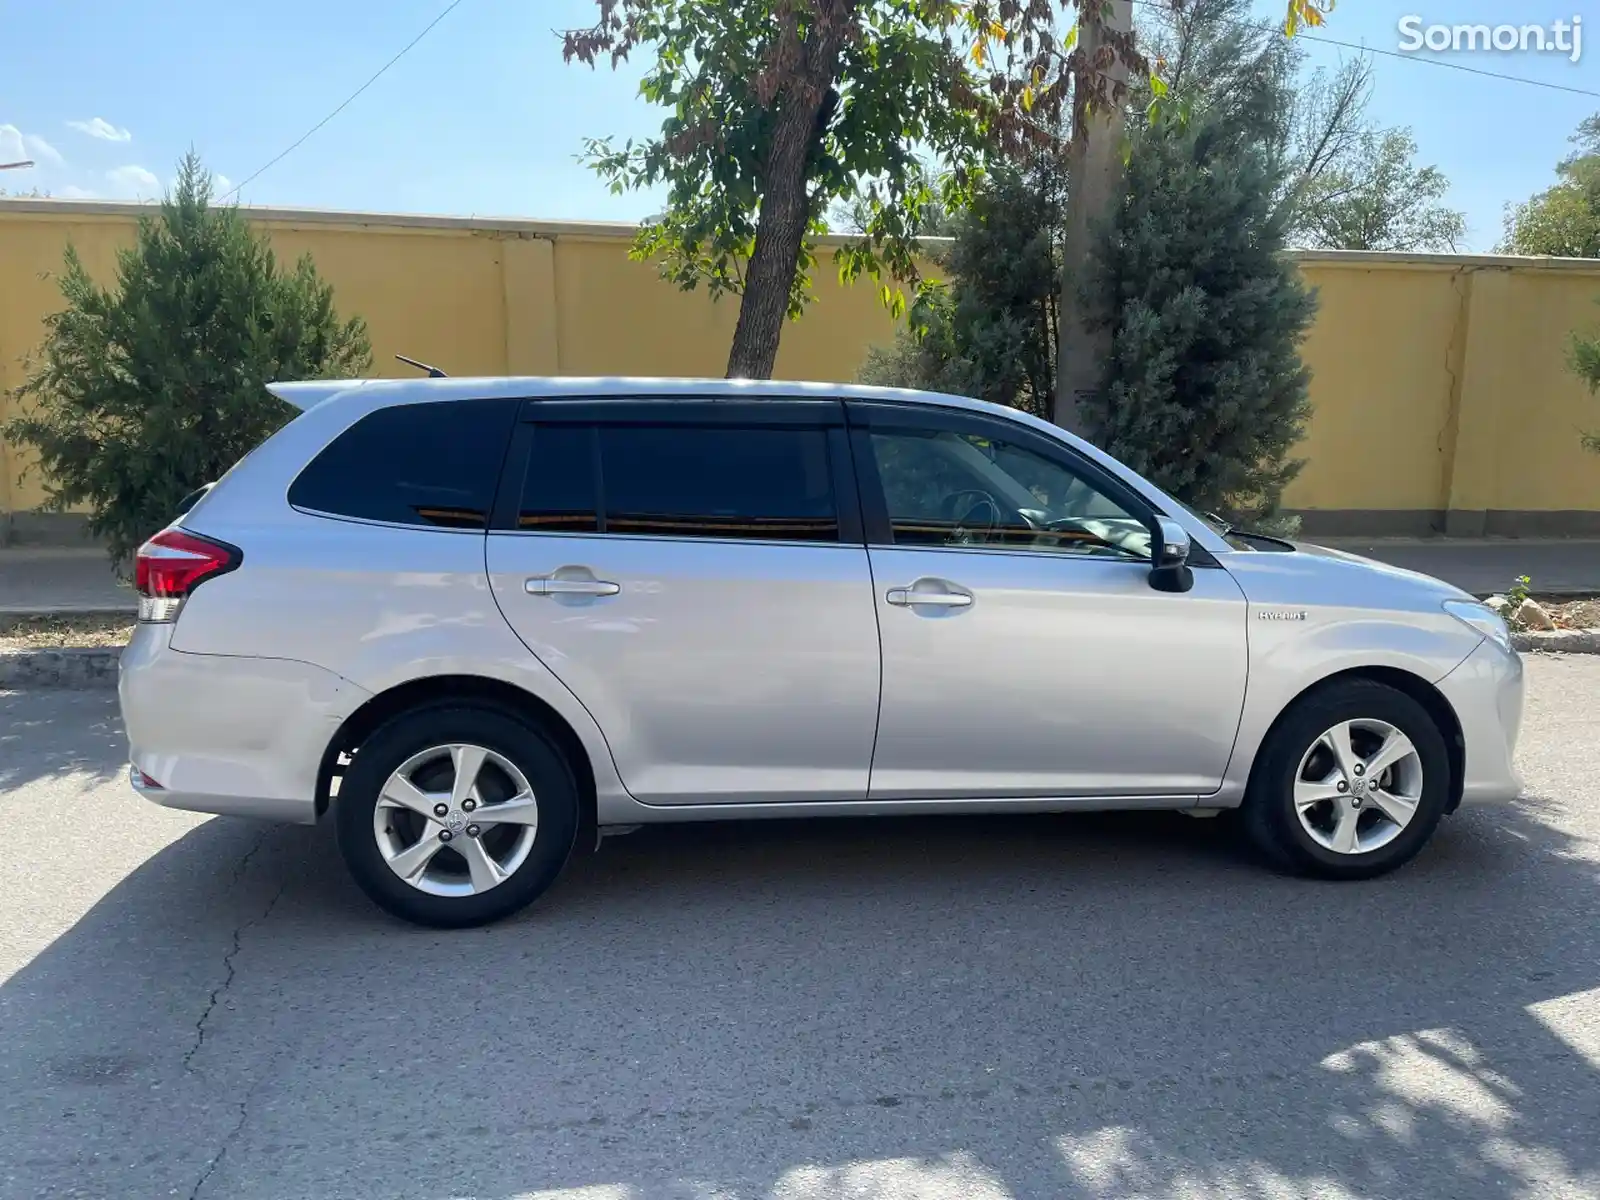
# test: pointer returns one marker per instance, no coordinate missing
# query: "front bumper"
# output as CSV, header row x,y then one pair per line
x,y
223,734
1486,693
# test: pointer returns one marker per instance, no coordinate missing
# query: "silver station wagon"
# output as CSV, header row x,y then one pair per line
x,y
483,621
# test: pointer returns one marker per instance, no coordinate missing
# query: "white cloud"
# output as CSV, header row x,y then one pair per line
x,y
73,192
221,186
134,182
99,127
41,150
16,146
11,145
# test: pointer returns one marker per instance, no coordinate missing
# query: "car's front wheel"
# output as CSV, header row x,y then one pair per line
x,y
1351,782
456,815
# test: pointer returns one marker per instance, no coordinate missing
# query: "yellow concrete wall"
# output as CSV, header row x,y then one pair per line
x,y
1381,388
1438,381
1442,395
474,297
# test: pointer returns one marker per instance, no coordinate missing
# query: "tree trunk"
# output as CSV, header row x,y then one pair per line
x,y
805,104
1094,176
780,232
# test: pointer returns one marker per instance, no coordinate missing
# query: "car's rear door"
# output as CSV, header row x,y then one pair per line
x,y
1024,651
694,572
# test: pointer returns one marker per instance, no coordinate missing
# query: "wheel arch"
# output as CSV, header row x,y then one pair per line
x,y
444,689
1419,689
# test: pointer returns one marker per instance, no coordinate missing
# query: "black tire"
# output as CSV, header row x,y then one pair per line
x,y
1268,817
528,749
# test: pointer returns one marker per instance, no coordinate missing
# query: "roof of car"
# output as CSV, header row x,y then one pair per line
x,y
306,394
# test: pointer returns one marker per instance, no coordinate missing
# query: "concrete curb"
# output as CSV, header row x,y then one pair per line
x,y
96,667
1559,641
78,669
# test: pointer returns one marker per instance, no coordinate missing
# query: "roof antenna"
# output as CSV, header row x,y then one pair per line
x,y
433,372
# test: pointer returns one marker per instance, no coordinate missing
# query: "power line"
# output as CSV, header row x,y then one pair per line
x,y
376,75
1439,62
1365,49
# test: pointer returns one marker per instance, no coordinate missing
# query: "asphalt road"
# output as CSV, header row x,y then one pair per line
x,y
1045,1007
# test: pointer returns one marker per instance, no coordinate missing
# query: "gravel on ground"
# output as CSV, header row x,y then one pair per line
x,y
1575,614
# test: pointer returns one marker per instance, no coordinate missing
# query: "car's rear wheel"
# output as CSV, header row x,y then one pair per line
x,y
455,816
1351,782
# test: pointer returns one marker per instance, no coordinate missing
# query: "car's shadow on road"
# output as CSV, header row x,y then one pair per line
x,y
1106,1006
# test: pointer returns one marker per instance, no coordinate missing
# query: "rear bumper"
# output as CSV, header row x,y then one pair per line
x,y
223,734
1486,693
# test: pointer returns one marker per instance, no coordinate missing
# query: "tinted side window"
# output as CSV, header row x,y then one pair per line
x,y
559,492
413,464
718,481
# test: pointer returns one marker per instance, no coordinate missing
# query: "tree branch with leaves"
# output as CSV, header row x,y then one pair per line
x,y
779,109
1563,220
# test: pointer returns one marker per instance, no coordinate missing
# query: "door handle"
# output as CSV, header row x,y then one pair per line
x,y
571,587
911,596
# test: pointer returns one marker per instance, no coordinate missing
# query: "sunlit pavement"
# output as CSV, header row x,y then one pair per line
x,y
1047,1007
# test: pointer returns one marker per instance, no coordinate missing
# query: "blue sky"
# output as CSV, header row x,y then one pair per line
x,y
483,117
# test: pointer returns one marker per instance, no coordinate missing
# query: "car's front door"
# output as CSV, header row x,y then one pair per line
x,y
1024,651
694,572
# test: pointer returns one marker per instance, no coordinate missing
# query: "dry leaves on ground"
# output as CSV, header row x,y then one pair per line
x,y
74,629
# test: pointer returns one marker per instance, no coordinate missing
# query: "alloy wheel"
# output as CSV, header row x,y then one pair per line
x,y
455,820
1358,786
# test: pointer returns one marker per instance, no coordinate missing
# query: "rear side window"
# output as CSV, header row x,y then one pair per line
x,y
712,481
559,491
413,464
718,481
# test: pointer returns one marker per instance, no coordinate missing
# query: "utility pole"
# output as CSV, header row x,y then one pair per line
x,y
1094,177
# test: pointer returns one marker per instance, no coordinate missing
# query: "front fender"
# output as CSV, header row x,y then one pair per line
x,y
1290,657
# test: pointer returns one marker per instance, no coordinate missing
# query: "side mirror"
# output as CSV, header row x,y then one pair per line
x,y
1169,557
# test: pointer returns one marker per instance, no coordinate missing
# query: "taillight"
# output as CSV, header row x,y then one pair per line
x,y
171,565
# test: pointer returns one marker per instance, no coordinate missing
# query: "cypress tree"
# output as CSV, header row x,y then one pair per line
x,y
152,388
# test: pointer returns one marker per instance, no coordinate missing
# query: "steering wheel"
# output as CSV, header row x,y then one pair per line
x,y
984,509
1086,537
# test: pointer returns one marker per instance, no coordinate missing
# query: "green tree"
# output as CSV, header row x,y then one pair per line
x,y
779,109
1563,220
1327,122
1348,185
1379,199
1205,392
1204,389
990,330
147,390
852,216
